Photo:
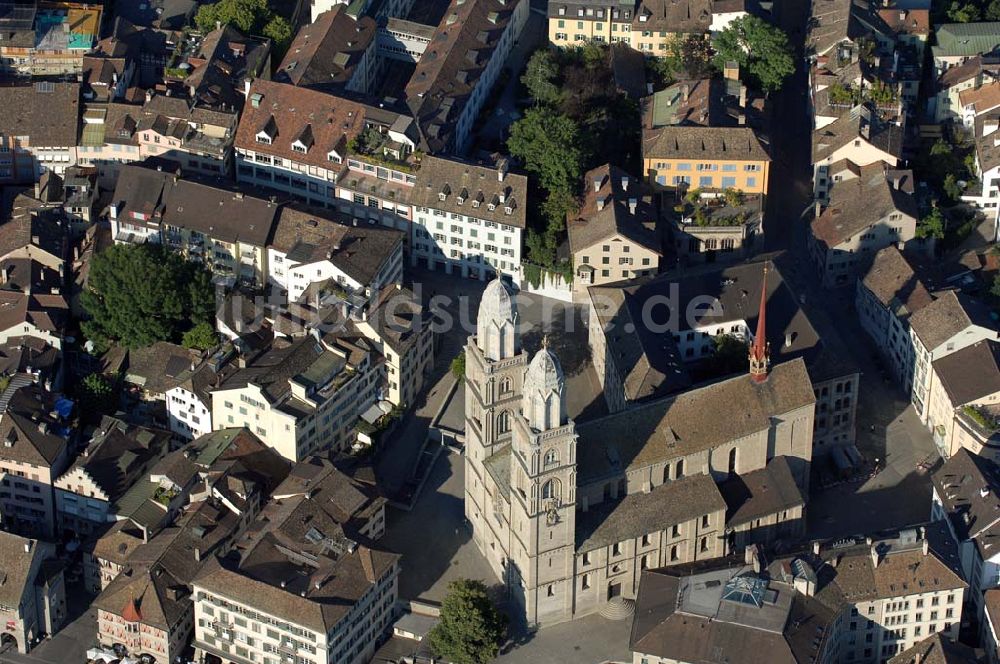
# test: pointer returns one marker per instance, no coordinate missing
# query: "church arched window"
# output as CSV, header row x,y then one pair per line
x,y
551,458
503,422
506,385
550,490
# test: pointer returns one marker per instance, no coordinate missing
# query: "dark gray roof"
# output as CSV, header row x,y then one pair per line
x,y
761,493
309,235
970,374
47,112
31,430
715,143
639,514
325,53
863,123
607,211
950,313
676,427
476,186
858,203
453,64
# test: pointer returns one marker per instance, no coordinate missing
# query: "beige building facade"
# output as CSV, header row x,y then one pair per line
x,y
569,517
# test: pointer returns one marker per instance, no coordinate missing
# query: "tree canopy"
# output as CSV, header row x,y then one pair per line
x,y
200,337
140,294
548,143
540,77
97,397
761,49
933,225
251,17
471,628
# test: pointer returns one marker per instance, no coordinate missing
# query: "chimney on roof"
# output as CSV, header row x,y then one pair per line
x,y
27,546
597,183
819,208
876,557
731,70
816,548
6,273
632,203
624,183
600,203
501,169
685,91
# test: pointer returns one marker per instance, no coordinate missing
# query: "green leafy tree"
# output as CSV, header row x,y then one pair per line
x,y
458,366
993,11
97,396
279,31
139,294
245,15
200,337
693,54
548,144
932,225
951,188
995,289
540,77
761,49
471,628
730,355
964,13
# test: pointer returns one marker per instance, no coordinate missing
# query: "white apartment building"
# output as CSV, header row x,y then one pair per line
x,y
880,598
966,496
468,219
987,137
886,297
859,137
35,451
451,82
298,594
306,249
297,140
86,491
864,215
951,322
303,398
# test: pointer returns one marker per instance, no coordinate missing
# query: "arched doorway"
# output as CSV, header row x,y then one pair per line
x,y
8,642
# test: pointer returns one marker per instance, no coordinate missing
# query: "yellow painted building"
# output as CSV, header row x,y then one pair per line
x,y
649,27
576,22
706,158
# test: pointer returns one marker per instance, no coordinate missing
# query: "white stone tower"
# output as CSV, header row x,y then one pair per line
x,y
543,495
494,372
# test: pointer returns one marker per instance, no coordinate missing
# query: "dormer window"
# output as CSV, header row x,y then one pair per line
x,y
268,131
508,210
298,147
475,203
491,207
334,157
562,11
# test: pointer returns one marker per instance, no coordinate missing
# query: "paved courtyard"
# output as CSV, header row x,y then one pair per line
x,y
435,543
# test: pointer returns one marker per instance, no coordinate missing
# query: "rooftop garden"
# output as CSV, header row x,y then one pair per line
x,y
984,420
727,209
879,93
372,146
164,495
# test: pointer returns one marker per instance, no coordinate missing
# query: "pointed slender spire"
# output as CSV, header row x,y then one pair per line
x,y
760,350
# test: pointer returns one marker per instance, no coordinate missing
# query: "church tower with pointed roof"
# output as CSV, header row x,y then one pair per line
x,y
760,350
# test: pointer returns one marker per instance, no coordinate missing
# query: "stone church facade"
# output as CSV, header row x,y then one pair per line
x,y
568,516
